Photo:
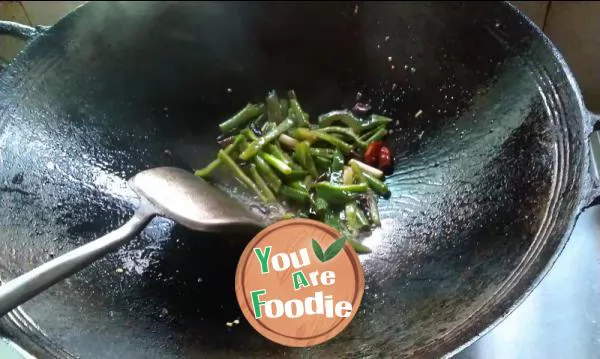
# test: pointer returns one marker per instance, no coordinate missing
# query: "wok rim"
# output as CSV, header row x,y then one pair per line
x,y
584,193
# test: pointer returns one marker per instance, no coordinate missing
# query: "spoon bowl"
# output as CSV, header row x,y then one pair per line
x,y
190,201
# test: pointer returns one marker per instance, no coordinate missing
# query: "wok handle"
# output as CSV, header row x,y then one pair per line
x,y
594,144
30,284
20,31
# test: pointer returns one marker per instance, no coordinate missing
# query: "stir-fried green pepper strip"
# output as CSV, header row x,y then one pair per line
x,y
337,167
378,186
250,136
296,110
273,107
284,106
351,218
268,126
346,132
260,121
350,120
357,172
239,174
347,175
323,164
214,164
363,222
305,158
304,134
365,168
376,121
373,210
296,175
299,185
278,152
255,146
278,164
331,218
339,194
343,116
294,194
267,173
320,206
377,136
358,246
323,152
355,217
366,135
245,115
334,141
261,184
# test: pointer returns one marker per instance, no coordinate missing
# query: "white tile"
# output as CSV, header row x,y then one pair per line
x,y
575,29
11,11
48,12
535,10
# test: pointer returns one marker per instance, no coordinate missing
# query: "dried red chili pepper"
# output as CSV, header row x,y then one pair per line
x,y
371,156
385,159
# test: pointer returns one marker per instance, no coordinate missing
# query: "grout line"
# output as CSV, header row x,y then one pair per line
x,y
25,12
548,7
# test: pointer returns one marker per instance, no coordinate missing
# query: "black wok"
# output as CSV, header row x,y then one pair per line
x,y
488,181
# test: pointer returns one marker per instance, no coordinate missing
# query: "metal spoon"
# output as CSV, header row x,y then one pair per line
x,y
165,191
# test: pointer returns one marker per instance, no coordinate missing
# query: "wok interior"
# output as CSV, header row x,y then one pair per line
x,y
113,86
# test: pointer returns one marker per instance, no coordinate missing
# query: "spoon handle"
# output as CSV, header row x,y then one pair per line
x,y
21,289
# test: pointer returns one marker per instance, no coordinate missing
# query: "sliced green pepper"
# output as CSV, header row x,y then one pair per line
x,y
322,163
378,186
344,116
346,132
278,164
294,194
337,166
377,136
261,184
339,194
305,158
358,246
204,172
351,217
363,222
245,115
267,173
296,110
255,146
304,134
249,134
334,141
239,174
373,209
273,107
284,106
